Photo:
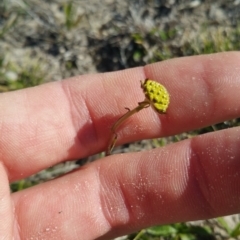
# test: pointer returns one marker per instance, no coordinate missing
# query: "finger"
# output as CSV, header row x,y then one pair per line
x,y
6,213
193,179
204,90
72,119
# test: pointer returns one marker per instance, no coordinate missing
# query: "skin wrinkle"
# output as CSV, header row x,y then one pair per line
x,y
200,182
1,147
5,207
100,182
207,89
104,82
128,195
164,184
105,210
134,189
90,105
216,85
5,130
163,119
115,105
75,109
16,231
141,188
109,213
4,147
92,109
213,160
72,105
144,187
96,128
211,87
126,201
94,131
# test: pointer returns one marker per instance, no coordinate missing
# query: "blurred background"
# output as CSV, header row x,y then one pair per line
x,y
42,41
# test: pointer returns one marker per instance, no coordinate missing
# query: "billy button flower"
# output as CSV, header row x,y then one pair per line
x,y
156,95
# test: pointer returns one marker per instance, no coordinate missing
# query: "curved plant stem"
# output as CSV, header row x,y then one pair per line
x,y
139,234
116,125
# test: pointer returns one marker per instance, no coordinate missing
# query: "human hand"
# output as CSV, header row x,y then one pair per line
x,y
193,179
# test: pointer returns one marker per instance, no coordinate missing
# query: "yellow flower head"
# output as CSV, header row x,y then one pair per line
x,y
156,94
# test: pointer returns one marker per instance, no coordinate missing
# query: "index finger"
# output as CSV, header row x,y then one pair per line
x,y
72,119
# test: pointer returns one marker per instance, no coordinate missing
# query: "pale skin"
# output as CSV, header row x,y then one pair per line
x,y
193,179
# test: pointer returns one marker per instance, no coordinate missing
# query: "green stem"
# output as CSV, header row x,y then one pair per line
x,y
139,234
116,125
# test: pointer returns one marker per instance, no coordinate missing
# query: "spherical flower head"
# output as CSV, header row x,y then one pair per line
x,y
156,94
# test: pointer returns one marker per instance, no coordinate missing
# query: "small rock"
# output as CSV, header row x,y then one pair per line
x,y
11,76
